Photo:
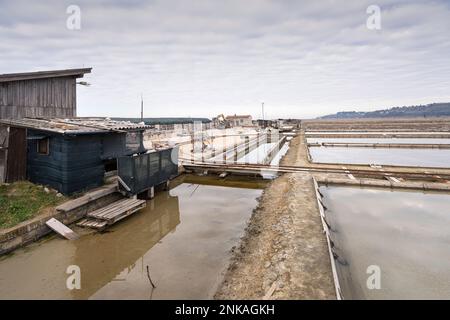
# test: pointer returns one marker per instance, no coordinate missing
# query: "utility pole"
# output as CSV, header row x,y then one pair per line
x,y
262,107
142,108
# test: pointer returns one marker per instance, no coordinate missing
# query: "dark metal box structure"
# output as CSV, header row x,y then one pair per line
x,y
141,172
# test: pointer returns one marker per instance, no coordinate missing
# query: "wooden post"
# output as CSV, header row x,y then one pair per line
x,y
193,148
224,151
247,148
235,156
203,149
213,151
151,193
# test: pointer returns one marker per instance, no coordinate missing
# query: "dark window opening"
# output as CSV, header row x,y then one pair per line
x,y
43,146
110,165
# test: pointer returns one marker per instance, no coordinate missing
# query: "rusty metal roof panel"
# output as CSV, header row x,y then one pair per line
x,y
75,126
108,124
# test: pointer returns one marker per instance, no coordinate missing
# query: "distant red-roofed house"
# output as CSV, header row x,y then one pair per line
x,y
239,120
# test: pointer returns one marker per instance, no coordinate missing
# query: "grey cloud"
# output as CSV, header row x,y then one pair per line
x,y
199,58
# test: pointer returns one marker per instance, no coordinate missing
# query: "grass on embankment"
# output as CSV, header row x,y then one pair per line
x,y
23,200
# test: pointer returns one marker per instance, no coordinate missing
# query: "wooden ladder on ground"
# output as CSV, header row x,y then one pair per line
x,y
103,217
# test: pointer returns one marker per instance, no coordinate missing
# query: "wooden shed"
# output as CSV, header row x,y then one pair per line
x,y
42,94
70,155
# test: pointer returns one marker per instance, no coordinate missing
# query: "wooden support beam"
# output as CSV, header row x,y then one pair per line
x,y
61,229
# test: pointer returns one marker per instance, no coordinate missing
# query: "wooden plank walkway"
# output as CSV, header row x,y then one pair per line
x,y
92,223
112,213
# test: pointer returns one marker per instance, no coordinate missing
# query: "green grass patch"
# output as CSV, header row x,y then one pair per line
x,y
23,200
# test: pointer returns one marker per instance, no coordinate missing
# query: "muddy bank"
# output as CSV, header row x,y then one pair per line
x,y
283,254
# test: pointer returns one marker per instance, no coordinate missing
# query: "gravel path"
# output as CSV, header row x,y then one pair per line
x,y
284,253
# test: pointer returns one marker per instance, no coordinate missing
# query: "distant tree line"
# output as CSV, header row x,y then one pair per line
x,y
423,111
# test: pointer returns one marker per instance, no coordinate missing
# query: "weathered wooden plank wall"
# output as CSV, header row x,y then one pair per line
x,y
4,140
38,98
16,163
3,156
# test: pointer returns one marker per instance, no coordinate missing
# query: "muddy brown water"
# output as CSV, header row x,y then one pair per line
x,y
405,234
184,236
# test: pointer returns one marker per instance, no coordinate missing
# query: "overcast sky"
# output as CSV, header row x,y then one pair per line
x,y
202,58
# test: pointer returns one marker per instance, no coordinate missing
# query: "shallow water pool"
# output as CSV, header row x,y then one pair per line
x,y
405,234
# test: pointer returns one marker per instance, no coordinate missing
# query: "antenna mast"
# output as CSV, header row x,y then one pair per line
x,y
142,108
262,107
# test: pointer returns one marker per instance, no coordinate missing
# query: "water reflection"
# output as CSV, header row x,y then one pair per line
x,y
406,234
39,270
386,156
381,140
257,155
183,236
111,256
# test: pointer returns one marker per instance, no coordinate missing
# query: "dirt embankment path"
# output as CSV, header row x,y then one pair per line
x,y
283,254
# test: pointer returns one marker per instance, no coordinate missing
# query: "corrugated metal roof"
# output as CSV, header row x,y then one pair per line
x,y
78,73
107,123
76,126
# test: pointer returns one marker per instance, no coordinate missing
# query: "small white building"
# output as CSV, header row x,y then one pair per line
x,y
239,121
